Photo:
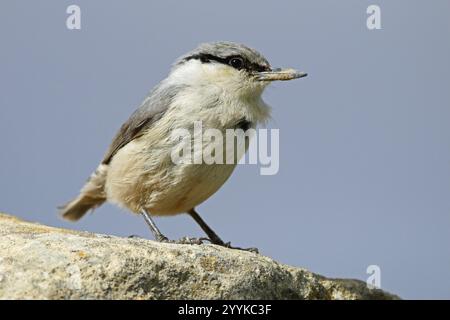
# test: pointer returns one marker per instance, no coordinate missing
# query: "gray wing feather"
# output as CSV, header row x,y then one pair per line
x,y
151,110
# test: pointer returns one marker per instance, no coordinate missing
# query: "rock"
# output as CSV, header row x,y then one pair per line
x,y
40,262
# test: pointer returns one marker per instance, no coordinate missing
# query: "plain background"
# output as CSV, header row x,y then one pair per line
x,y
365,139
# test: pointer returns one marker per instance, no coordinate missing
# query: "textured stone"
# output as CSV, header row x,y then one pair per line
x,y
40,262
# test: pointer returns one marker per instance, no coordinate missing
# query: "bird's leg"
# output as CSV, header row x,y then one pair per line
x,y
153,228
213,237
162,238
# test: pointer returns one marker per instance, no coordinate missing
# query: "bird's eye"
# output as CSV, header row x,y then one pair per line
x,y
236,62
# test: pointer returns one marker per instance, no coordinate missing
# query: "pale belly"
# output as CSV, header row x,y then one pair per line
x,y
199,182
150,181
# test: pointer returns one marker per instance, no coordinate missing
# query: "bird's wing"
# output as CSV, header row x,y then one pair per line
x,y
151,110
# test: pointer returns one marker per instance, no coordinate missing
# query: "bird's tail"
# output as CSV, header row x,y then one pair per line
x,y
91,196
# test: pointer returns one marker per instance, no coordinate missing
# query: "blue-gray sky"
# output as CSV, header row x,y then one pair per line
x,y
364,139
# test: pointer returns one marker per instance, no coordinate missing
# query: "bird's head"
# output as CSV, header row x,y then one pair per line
x,y
229,66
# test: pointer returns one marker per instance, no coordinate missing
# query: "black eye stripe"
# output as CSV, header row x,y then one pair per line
x,y
206,58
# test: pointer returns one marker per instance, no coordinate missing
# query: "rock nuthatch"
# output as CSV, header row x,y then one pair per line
x,y
219,84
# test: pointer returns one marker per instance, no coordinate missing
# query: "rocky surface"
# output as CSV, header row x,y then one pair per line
x,y
40,262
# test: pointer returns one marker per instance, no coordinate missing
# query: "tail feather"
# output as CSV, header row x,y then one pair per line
x,y
91,196
77,208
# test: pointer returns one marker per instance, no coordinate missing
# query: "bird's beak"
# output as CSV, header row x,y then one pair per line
x,y
280,74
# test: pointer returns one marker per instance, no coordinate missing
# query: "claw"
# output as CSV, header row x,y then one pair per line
x,y
163,239
229,246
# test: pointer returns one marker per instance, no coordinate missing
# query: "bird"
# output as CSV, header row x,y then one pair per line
x,y
217,83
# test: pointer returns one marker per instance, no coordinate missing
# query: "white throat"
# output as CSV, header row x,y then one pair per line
x,y
219,92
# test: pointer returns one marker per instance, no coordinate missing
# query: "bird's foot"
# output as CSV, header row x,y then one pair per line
x,y
198,241
229,246
187,240
184,240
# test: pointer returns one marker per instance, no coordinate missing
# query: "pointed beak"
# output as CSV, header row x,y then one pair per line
x,y
280,74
